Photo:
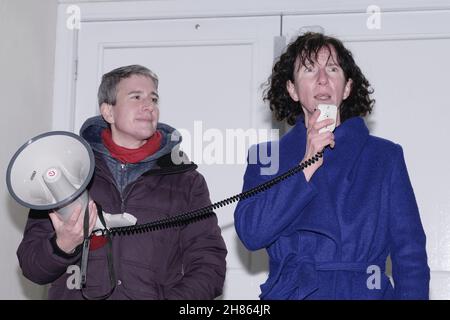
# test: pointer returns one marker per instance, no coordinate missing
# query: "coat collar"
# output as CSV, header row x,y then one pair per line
x,y
332,179
350,137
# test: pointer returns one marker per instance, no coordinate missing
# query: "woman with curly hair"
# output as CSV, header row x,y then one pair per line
x,y
329,230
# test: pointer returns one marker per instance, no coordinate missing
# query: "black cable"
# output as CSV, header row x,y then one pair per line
x,y
205,212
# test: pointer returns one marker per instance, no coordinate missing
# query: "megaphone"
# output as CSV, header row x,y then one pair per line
x,y
51,172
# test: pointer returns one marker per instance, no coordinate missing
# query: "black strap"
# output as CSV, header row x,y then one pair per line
x,y
86,244
112,274
100,215
85,255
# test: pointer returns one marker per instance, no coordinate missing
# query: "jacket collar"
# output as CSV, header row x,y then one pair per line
x,y
350,137
165,166
92,129
331,179
159,163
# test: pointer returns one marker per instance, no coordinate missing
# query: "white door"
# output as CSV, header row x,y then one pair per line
x,y
404,55
210,74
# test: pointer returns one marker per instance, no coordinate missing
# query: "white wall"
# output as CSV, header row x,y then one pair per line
x,y
27,46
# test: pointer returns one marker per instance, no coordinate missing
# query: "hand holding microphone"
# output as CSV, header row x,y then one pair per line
x,y
319,135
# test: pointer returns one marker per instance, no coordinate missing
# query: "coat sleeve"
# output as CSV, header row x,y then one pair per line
x,y
261,219
40,259
204,253
410,270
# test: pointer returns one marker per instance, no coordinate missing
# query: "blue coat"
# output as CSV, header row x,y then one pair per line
x,y
329,238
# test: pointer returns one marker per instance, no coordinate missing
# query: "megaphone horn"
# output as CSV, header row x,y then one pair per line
x,y
51,172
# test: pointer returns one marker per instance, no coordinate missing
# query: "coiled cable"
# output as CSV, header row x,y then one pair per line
x,y
205,212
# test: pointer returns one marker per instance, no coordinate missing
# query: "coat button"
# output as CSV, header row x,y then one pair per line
x,y
119,282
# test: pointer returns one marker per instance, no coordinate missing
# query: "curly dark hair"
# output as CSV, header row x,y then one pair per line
x,y
306,47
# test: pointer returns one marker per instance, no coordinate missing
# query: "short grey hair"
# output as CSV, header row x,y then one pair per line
x,y
107,91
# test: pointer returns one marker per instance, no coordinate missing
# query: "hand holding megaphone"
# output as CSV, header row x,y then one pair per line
x,y
68,221
69,231
51,172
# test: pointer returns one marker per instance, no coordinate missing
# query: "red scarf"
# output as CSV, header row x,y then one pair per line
x,y
126,155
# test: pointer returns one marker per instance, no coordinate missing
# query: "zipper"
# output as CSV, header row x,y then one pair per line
x,y
123,194
122,199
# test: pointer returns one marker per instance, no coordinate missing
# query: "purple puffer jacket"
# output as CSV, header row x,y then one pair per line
x,y
185,262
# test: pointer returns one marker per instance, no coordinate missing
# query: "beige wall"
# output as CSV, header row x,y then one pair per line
x,y
27,46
